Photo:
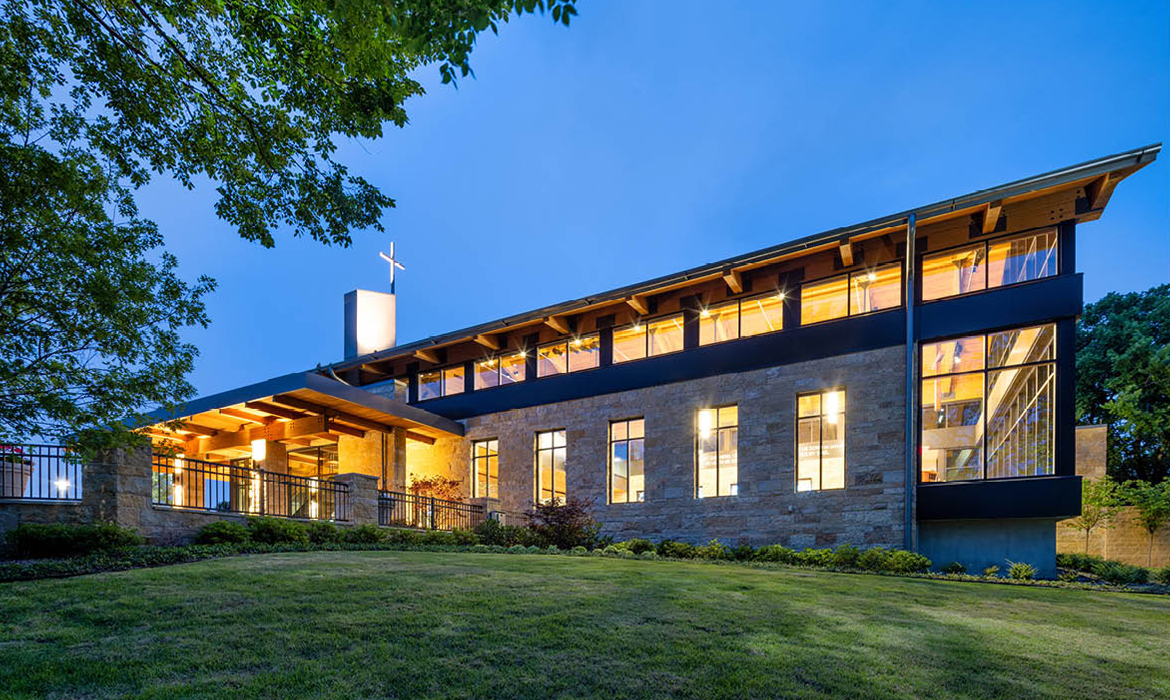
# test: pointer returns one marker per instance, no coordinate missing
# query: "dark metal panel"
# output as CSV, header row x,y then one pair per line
x,y
820,341
1032,497
1066,397
1043,300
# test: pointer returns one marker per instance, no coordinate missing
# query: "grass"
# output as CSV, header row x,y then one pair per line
x,y
420,624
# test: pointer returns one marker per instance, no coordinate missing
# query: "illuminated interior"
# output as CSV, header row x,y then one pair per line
x,y
987,405
761,314
717,451
584,352
629,343
988,265
665,335
719,322
550,465
875,290
485,465
552,359
820,442
627,461
824,300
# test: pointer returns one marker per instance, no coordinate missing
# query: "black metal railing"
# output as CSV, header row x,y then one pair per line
x,y
424,512
41,472
225,488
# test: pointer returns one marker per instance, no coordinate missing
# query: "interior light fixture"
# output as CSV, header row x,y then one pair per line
x,y
780,296
872,276
832,407
705,313
705,423
62,485
259,450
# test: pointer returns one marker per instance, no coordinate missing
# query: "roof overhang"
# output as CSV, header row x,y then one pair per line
x,y
303,408
1098,177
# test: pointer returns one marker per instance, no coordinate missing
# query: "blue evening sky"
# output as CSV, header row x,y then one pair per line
x,y
654,136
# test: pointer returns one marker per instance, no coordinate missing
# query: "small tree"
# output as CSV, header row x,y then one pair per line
x,y
1152,502
436,487
1100,504
566,525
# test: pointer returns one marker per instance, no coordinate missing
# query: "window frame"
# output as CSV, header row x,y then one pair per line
x,y
567,343
820,393
985,373
498,359
715,428
986,242
848,275
442,372
738,302
609,458
536,450
475,459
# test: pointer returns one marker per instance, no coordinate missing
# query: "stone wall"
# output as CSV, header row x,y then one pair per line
x,y
767,509
1124,541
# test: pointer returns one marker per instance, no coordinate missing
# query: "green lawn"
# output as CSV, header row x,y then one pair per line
x,y
408,624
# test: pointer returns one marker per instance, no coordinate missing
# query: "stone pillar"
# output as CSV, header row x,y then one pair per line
x,y
363,499
361,455
276,492
116,487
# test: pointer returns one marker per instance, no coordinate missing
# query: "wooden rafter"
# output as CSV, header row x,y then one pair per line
x,y
427,356
247,415
347,417
275,410
638,303
188,427
1100,190
558,323
846,249
490,342
991,215
733,279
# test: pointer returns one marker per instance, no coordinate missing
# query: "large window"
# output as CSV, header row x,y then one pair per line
x,y
988,404
640,340
741,318
717,452
498,371
550,465
853,294
485,466
820,441
440,382
581,353
627,481
990,264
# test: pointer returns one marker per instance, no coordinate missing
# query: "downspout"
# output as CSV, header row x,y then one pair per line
x,y
911,477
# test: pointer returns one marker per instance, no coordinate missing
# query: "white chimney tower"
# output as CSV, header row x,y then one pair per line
x,y
371,317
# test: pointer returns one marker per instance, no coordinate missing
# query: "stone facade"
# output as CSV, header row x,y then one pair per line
x,y
767,509
1124,540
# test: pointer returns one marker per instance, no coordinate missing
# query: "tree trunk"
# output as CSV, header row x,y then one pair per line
x,y
1087,540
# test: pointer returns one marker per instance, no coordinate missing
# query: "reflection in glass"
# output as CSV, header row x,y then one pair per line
x,y
430,385
761,314
584,352
665,335
552,359
1021,259
512,368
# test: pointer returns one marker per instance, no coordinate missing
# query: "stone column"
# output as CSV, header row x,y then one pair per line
x,y
363,498
276,493
396,459
116,486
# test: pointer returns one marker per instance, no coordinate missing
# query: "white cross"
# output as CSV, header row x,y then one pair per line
x,y
393,264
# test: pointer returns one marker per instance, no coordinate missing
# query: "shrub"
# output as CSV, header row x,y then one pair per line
x,y
222,532
1021,571
1080,562
566,525
1162,575
846,556
873,559
1068,575
744,552
533,549
638,546
1120,574
517,549
775,553
437,538
36,541
903,562
815,557
578,551
954,568
277,531
481,548
676,550
648,555
464,537
991,571
323,533
363,534
714,550
491,531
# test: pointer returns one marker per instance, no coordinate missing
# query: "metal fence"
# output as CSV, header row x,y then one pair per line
x,y
40,472
226,488
427,513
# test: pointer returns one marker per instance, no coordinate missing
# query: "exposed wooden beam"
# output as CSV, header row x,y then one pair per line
x,y
991,215
557,323
197,429
490,342
164,435
427,356
1100,190
335,427
638,303
846,249
246,415
419,437
316,426
274,410
734,282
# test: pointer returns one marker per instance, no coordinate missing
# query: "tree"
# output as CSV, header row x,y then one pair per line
x,y
1152,502
99,96
1099,506
1123,379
